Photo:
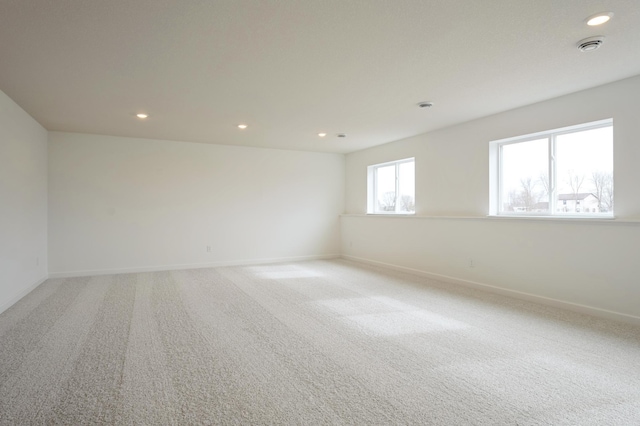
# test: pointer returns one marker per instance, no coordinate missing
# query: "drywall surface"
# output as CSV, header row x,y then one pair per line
x,y
125,204
594,265
452,164
23,202
589,262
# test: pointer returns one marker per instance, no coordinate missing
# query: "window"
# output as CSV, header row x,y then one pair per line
x,y
563,172
391,187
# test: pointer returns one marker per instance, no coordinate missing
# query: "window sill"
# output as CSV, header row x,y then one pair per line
x,y
581,218
556,219
606,220
410,216
391,214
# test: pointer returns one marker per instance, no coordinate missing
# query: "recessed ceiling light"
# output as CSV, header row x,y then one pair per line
x,y
425,104
322,135
142,115
242,126
599,18
342,135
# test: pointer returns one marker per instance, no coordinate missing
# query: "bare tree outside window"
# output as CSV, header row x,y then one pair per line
x,y
512,199
543,182
388,202
575,183
603,190
407,203
529,197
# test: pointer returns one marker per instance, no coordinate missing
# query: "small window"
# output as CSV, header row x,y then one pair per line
x,y
563,172
391,187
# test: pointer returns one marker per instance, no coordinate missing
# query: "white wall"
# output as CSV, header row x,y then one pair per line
x,y
23,202
588,262
123,204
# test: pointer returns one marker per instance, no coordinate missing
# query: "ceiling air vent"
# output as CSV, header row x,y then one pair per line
x,y
591,43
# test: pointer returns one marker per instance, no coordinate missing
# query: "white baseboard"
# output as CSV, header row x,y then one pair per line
x,y
22,294
85,273
575,307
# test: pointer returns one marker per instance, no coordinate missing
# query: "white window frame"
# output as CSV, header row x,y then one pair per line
x,y
372,187
495,167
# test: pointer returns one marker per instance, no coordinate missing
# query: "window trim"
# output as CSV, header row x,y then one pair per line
x,y
496,172
372,187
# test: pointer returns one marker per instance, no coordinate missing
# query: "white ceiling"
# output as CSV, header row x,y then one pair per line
x,y
293,68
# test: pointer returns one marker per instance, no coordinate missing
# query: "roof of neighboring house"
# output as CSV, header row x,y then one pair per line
x,y
578,196
542,205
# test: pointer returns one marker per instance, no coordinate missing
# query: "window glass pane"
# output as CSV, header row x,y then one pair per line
x,y
407,187
386,188
525,177
584,172
391,187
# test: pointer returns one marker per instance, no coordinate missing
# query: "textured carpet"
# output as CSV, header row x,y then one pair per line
x,y
323,342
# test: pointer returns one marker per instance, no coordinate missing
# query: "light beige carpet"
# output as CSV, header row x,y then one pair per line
x,y
323,342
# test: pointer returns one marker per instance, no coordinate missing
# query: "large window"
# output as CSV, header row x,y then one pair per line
x,y
391,187
563,172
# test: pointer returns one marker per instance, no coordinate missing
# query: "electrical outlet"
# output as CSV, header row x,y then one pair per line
x,y
471,263
208,249
350,243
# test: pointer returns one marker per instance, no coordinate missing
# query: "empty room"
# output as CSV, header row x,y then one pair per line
x,y
320,212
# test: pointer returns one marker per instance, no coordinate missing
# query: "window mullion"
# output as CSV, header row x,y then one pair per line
x,y
397,207
552,175
375,190
500,186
